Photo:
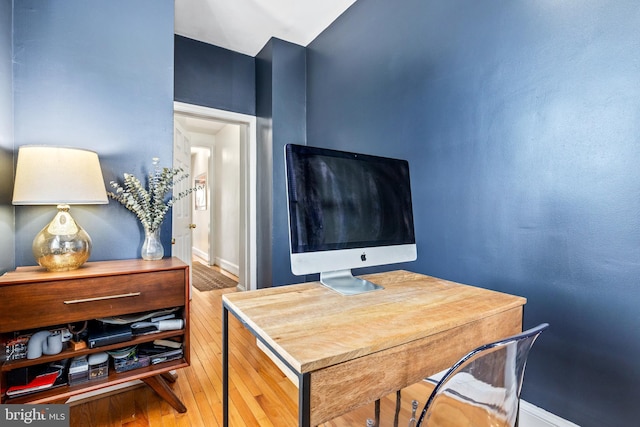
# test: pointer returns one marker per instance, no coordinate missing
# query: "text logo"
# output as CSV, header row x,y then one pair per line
x,y
34,415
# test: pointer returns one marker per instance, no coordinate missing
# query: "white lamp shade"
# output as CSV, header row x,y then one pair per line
x,y
47,175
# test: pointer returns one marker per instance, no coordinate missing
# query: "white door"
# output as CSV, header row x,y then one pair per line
x,y
181,228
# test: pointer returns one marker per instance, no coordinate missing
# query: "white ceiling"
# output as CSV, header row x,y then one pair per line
x,y
245,26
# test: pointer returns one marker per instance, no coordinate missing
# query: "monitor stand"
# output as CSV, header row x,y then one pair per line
x,y
343,282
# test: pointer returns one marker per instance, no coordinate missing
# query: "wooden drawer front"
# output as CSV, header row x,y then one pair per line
x,y
41,304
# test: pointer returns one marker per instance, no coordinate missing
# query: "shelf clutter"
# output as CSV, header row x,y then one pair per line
x,y
29,380
95,366
107,323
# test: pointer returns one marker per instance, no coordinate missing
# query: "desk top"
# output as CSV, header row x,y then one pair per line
x,y
313,327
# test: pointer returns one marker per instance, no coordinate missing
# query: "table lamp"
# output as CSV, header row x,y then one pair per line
x,y
47,175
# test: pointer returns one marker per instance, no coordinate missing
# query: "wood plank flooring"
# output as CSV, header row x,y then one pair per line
x,y
260,394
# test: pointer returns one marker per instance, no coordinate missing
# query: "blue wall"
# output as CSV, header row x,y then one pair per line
x,y
271,86
264,175
214,77
7,243
289,126
521,121
96,75
281,119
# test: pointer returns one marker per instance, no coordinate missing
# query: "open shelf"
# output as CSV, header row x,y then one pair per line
x,y
35,299
63,392
67,354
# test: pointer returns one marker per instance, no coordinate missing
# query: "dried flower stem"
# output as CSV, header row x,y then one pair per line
x,y
150,205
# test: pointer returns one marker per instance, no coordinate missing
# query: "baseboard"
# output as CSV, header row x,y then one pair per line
x,y
222,263
200,254
532,416
228,266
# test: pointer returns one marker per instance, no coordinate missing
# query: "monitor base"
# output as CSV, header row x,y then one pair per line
x,y
343,282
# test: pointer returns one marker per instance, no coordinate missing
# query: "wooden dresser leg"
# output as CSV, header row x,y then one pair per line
x,y
159,385
170,376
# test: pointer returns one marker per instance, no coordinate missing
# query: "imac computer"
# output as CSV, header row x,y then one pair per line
x,y
347,210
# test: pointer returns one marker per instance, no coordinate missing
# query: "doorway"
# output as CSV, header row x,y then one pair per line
x,y
223,161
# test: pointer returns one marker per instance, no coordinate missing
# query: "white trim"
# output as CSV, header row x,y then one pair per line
x,y
248,265
200,254
532,416
228,266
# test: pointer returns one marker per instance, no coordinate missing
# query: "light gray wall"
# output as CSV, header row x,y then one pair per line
x,y
227,198
201,148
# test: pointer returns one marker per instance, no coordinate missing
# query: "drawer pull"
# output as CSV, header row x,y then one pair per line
x,y
76,301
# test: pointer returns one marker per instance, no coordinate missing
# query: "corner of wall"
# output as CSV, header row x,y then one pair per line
x,y
7,212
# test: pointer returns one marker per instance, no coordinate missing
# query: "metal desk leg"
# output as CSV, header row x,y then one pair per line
x,y
225,366
304,400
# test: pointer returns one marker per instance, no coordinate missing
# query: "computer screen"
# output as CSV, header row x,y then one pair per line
x,y
347,210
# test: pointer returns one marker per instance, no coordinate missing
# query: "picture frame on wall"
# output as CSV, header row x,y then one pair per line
x,y
200,197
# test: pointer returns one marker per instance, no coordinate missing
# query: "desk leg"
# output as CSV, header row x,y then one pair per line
x,y
304,400
225,366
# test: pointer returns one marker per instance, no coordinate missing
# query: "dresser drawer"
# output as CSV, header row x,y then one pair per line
x,y
46,303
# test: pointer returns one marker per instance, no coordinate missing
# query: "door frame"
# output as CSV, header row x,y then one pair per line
x,y
248,183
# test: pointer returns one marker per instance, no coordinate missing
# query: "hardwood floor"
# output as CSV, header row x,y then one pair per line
x,y
260,394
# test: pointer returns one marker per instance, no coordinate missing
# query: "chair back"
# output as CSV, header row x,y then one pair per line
x,y
483,388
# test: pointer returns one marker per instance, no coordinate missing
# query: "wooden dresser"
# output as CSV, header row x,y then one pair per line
x,y
35,299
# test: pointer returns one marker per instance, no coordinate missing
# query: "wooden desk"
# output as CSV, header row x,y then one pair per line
x,y
351,350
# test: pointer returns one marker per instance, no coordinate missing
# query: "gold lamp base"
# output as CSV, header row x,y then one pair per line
x,y
62,245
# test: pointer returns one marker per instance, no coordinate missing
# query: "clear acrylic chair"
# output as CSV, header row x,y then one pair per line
x,y
483,388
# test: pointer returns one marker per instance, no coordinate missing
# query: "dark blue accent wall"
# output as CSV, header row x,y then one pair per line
x,y
281,119
521,122
99,78
214,77
7,242
289,126
264,184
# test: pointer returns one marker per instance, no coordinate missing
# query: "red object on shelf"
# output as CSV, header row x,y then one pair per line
x,y
39,383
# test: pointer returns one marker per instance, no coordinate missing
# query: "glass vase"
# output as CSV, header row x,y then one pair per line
x,y
152,247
